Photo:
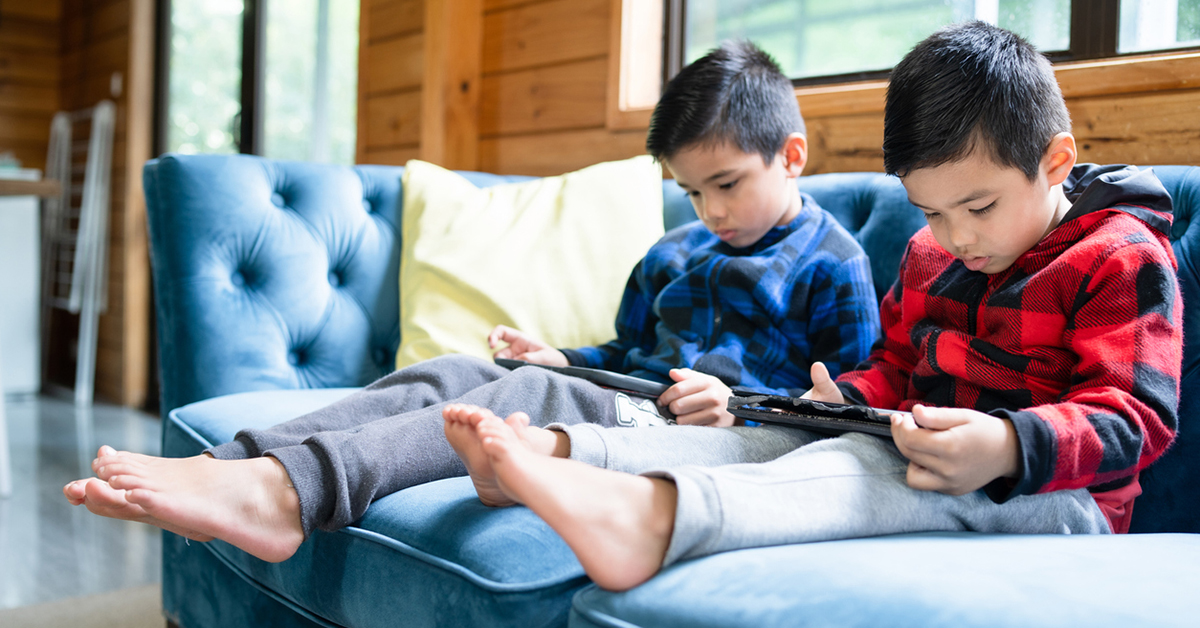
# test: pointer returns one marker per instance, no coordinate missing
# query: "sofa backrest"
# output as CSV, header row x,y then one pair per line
x,y
281,275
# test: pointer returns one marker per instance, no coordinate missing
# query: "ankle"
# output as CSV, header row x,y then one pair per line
x,y
562,444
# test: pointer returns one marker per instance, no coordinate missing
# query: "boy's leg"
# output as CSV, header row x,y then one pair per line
x,y
335,475
412,388
847,487
637,451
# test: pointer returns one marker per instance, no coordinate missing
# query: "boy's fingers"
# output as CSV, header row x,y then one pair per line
x,y
923,479
932,418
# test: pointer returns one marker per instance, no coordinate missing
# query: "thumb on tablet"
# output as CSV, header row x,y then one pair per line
x,y
823,387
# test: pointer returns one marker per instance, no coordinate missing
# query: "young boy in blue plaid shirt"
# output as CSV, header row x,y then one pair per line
x,y
766,284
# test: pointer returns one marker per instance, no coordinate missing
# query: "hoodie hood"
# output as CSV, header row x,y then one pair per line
x,y
1135,191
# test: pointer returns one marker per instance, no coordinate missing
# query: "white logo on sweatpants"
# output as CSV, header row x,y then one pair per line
x,y
638,413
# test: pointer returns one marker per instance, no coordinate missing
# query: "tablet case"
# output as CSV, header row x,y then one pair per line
x,y
607,379
818,416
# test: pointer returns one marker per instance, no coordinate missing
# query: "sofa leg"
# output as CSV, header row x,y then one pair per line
x,y
171,624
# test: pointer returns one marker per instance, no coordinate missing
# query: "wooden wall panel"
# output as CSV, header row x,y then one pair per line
x,y
390,18
30,71
1151,128
103,40
544,33
541,99
546,154
543,85
391,58
1142,110
393,121
401,64
543,106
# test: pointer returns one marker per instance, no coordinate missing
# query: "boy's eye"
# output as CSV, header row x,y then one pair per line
x,y
726,186
694,193
983,210
931,216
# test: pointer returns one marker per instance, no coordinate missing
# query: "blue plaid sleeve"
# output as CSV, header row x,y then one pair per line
x,y
844,316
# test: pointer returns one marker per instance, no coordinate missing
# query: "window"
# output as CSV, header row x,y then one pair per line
x,y
1159,24
836,40
277,79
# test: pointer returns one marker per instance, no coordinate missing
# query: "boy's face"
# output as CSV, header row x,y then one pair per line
x,y
736,195
989,215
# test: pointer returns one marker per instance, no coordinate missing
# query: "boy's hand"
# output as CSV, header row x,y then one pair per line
x,y
697,399
955,450
522,346
823,387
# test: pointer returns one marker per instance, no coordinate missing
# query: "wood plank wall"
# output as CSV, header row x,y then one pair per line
x,y
30,70
107,53
390,76
1143,110
544,88
545,81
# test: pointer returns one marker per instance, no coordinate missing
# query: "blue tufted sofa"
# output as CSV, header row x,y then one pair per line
x,y
276,293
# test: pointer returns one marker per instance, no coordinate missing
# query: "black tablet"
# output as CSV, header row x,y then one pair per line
x,y
818,416
600,377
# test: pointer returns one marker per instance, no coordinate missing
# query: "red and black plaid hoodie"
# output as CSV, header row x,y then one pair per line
x,y
1078,343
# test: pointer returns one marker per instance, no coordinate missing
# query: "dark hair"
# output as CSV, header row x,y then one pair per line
x,y
971,86
735,93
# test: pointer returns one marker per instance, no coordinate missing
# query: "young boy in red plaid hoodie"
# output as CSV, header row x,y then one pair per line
x,y
1034,332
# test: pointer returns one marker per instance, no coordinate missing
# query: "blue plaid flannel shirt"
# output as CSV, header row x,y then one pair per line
x,y
756,317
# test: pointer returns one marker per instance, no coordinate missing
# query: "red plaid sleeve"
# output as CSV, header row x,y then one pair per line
x,y
882,380
1119,412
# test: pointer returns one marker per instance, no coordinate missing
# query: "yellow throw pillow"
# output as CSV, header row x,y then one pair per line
x,y
549,256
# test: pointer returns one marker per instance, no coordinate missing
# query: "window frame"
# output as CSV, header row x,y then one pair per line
x,y
1095,30
249,127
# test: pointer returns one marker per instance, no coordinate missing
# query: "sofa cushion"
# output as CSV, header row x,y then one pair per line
x,y
948,579
468,564
550,256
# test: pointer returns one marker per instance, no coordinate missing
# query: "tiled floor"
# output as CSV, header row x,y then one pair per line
x,y
50,550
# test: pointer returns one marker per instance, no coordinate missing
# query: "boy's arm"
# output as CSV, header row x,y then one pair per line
x,y
635,325
844,317
1120,411
881,380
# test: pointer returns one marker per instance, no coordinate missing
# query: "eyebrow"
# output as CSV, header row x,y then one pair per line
x,y
973,196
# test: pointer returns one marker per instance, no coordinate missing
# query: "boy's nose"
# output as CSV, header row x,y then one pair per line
x,y
712,209
961,237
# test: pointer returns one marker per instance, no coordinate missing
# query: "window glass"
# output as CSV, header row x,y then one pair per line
x,y
311,74
823,37
1158,24
205,75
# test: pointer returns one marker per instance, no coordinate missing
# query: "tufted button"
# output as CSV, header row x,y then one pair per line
x,y
367,206
278,199
295,357
238,279
335,279
380,355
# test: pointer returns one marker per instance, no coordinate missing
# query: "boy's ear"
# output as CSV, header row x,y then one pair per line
x,y
795,154
1059,158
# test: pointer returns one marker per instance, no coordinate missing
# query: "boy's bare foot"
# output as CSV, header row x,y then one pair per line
x,y
106,501
461,421
247,503
460,425
618,525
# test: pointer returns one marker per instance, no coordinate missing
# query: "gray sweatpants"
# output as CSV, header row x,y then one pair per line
x,y
743,487
389,435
